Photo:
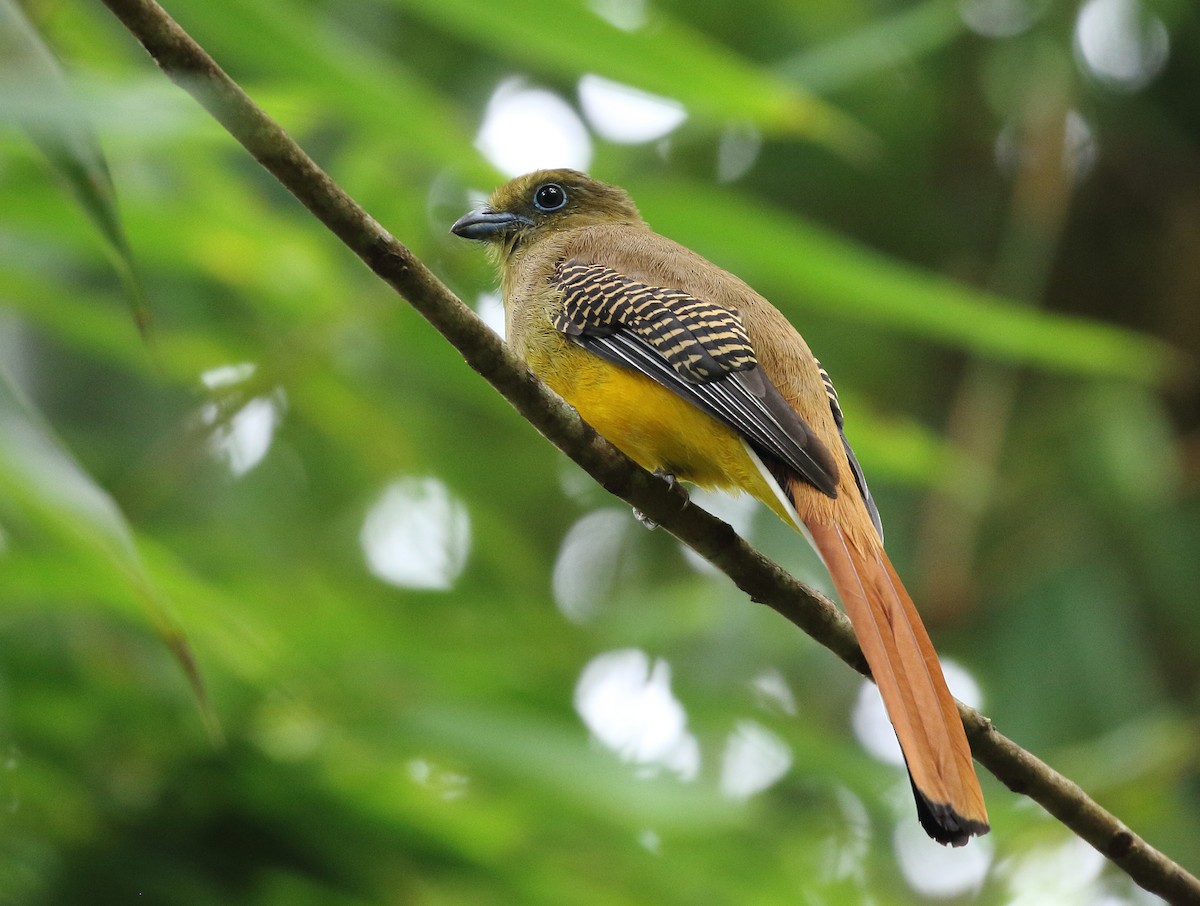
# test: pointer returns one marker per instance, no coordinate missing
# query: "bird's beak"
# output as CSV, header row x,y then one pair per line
x,y
485,224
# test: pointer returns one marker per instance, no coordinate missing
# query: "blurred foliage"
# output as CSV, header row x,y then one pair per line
x,y
994,252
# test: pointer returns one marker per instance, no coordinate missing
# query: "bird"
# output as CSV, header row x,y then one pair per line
x,y
697,377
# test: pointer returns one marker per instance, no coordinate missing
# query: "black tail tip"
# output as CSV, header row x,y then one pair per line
x,y
944,824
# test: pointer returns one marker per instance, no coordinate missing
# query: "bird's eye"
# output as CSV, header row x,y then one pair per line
x,y
549,197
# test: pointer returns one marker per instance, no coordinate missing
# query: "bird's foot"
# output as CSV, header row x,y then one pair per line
x,y
672,482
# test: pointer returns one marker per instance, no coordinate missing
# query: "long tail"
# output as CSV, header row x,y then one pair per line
x,y
906,669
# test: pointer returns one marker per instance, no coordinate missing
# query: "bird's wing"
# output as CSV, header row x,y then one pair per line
x,y
859,478
694,348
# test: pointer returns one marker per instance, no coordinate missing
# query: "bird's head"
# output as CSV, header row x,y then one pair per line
x,y
544,202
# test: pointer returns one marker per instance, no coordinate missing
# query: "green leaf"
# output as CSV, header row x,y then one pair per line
x,y
664,56
41,484
883,44
42,102
355,82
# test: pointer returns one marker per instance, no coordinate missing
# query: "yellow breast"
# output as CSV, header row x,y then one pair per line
x,y
655,427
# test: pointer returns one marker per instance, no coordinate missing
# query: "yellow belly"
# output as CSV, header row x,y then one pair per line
x,y
656,428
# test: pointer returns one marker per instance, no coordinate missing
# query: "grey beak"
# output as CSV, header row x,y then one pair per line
x,y
484,224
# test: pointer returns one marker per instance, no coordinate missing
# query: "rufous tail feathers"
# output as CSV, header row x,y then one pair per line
x,y
906,669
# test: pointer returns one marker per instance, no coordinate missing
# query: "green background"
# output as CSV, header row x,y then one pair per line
x,y
992,247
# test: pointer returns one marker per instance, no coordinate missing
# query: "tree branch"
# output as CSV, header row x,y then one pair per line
x,y
187,64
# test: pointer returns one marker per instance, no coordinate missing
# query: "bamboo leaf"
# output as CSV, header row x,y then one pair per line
x,y
354,80
663,56
42,102
42,484
882,44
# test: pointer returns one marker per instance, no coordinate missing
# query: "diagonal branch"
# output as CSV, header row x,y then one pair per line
x,y
187,64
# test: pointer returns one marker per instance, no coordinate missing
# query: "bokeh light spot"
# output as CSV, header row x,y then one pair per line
x,y
1051,875
1000,18
625,700
622,113
650,841
448,785
1121,44
933,870
754,759
241,440
736,509
737,151
773,693
1079,151
845,852
627,15
531,128
417,535
589,563
490,307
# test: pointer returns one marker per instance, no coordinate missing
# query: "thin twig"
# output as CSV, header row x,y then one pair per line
x,y
187,64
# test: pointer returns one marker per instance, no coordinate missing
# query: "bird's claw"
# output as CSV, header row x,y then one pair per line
x,y
672,482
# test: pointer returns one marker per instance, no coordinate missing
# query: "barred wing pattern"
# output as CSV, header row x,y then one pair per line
x,y
696,349
702,341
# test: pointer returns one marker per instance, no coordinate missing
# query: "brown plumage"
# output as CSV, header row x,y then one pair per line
x,y
688,370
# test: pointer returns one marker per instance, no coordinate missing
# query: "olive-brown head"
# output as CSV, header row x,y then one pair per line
x,y
544,202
